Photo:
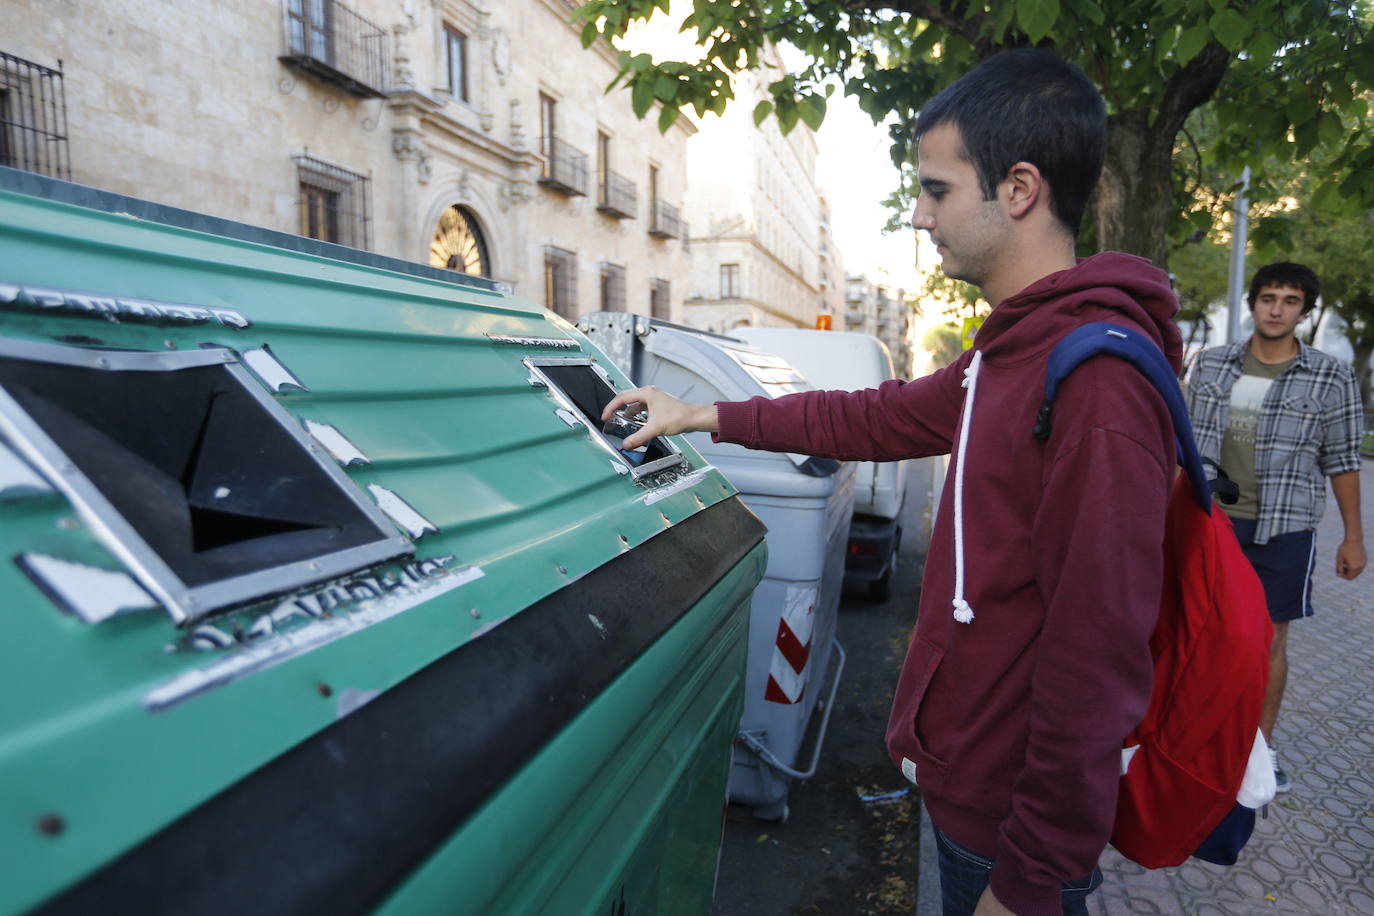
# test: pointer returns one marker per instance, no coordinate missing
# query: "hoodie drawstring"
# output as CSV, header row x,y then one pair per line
x,y
963,613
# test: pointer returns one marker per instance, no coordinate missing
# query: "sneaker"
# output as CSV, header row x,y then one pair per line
x,y
1281,783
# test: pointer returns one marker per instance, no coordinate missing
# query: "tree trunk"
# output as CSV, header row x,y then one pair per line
x,y
1135,194
1363,351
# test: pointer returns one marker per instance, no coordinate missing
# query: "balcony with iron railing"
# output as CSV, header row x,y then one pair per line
x,y
331,41
665,221
565,167
619,197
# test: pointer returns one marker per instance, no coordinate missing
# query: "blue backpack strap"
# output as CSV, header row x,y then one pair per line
x,y
1102,337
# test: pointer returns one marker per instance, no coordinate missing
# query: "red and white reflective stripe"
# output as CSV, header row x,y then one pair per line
x,y
788,669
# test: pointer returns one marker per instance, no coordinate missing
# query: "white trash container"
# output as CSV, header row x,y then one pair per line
x,y
849,361
794,660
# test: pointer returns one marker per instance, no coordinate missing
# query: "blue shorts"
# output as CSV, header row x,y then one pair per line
x,y
1284,566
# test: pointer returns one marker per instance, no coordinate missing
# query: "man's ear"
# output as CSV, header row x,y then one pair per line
x,y
1025,188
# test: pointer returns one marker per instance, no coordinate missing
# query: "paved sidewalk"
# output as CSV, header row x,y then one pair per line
x,y
1315,852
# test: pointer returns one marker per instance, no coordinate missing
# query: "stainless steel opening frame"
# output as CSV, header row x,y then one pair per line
x,y
183,603
539,378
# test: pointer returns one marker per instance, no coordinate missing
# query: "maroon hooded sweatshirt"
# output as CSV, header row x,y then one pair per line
x,y
1012,723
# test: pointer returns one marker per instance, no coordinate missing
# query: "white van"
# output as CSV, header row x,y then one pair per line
x,y
850,361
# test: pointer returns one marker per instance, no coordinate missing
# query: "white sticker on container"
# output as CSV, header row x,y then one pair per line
x,y
344,451
93,594
401,512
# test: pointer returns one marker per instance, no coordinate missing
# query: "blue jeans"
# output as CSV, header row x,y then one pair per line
x,y
964,874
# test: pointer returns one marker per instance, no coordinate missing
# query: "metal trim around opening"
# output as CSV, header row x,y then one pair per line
x,y
183,603
638,472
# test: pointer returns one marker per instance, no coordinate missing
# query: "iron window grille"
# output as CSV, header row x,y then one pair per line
x,y
612,287
729,281
457,44
33,118
560,281
665,221
331,41
660,299
335,204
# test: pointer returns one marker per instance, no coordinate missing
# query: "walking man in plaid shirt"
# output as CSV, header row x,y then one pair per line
x,y
1278,415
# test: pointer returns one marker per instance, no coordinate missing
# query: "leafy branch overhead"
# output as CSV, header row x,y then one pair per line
x,y
1280,77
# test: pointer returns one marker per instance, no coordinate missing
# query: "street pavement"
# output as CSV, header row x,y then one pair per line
x,y
1314,854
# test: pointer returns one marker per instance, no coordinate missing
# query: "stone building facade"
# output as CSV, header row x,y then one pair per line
x,y
757,221
470,134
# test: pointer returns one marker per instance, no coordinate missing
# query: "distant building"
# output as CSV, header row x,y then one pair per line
x,y
474,135
884,312
757,219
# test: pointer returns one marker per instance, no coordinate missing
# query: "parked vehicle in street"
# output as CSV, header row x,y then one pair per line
x,y
805,502
848,361
328,593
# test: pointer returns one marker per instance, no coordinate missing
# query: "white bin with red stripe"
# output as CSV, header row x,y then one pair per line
x,y
794,660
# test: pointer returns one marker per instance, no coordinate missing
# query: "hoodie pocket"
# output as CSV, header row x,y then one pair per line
x,y
903,738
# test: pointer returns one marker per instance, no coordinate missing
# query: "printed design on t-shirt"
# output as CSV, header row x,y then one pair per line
x,y
1246,398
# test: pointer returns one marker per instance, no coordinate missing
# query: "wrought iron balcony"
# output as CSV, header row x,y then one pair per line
x,y
328,39
665,221
619,197
33,118
565,167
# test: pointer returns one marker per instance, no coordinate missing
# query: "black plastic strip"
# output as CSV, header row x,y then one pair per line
x,y
337,822
81,195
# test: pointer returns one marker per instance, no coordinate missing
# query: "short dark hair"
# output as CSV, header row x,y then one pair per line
x,y
1028,105
1286,273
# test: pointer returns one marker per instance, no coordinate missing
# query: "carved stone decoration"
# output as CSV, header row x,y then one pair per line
x,y
517,126
515,193
465,185
407,146
488,120
500,55
402,72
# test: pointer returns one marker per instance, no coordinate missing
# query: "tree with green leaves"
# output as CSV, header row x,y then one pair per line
x,y
1282,76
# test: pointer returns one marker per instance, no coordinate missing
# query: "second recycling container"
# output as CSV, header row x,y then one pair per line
x,y
795,662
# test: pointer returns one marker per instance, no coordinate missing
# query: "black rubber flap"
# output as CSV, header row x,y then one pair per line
x,y
334,824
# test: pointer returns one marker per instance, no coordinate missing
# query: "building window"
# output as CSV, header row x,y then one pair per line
x,y
729,281
603,161
560,281
331,41
548,123
660,299
457,44
335,204
33,118
612,288
565,167
458,243
616,195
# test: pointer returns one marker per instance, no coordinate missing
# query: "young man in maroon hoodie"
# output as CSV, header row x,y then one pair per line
x,y
1031,659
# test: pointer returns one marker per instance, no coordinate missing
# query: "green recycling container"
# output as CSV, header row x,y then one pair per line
x,y
329,593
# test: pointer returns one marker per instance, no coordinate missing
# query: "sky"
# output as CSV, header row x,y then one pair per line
x,y
855,171
853,167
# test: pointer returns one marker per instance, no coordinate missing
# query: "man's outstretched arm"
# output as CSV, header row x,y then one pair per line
x,y
668,415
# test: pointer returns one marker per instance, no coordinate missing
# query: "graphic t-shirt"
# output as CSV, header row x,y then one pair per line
x,y
1238,446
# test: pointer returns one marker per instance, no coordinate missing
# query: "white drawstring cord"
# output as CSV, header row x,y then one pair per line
x,y
963,612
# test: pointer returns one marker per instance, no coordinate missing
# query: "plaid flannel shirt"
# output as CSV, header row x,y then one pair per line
x,y
1309,426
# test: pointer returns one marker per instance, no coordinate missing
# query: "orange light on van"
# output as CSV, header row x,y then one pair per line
x,y
823,322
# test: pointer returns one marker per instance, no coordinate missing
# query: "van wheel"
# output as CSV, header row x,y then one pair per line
x,y
880,589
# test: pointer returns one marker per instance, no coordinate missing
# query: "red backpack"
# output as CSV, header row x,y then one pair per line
x,y
1184,763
